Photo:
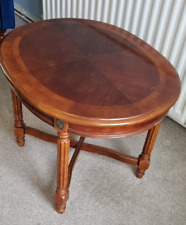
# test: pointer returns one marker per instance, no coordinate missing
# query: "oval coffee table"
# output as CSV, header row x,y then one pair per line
x,y
91,79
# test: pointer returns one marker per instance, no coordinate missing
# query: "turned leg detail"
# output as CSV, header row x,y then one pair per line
x,y
144,157
19,126
62,193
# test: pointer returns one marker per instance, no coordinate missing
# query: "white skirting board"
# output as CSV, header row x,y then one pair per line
x,y
27,16
161,23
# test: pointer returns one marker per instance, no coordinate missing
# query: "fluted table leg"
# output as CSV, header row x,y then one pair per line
x,y
19,126
144,157
62,193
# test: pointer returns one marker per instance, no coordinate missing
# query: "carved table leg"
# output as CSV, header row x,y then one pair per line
x,y
144,158
62,193
19,126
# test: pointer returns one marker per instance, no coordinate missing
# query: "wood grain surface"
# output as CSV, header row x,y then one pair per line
x,y
89,73
91,79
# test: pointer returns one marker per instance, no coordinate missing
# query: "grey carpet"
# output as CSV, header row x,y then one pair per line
x,y
103,191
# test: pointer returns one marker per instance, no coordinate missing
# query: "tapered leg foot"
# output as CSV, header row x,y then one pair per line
x,y
144,157
140,173
143,164
61,197
21,142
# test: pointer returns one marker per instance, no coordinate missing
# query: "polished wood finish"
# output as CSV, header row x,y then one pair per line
x,y
62,193
19,126
91,79
144,158
87,75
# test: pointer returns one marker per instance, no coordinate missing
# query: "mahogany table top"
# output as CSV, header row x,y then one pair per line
x,y
88,73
